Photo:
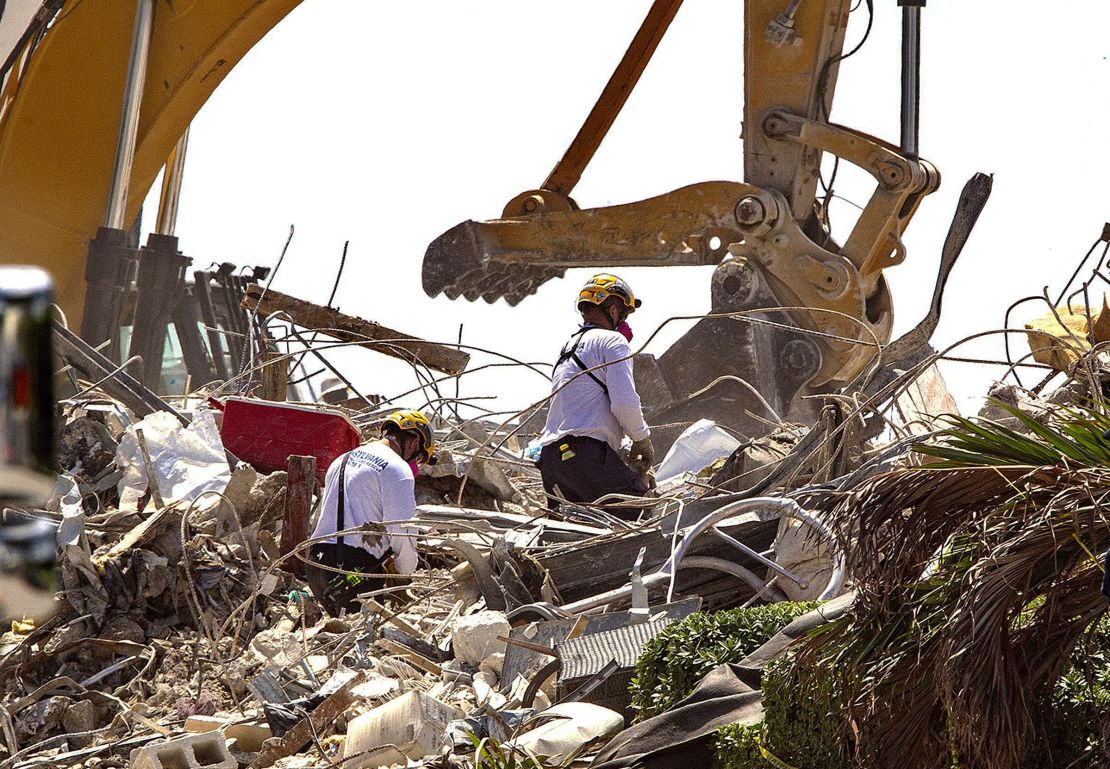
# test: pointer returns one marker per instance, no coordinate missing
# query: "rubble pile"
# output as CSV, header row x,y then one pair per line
x,y
184,635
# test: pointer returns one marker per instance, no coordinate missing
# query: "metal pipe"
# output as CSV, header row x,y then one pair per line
x,y
129,118
171,187
760,586
758,557
764,509
911,74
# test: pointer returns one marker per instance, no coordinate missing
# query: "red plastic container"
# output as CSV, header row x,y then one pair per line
x,y
265,434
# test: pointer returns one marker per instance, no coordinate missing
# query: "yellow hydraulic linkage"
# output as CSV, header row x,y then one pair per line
x,y
767,234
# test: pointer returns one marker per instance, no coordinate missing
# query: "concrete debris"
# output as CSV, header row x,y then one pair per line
x,y
186,635
181,640
1062,336
411,726
207,750
477,636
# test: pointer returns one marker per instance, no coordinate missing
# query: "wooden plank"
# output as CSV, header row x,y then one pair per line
x,y
186,326
226,300
158,286
419,660
300,482
203,290
274,374
349,328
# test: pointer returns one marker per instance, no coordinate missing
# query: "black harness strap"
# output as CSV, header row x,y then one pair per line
x,y
341,507
570,352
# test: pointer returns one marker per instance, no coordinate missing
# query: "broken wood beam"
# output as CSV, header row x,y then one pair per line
x,y
274,375
300,482
349,328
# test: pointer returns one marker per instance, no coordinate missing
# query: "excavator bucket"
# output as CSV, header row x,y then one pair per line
x,y
744,366
455,265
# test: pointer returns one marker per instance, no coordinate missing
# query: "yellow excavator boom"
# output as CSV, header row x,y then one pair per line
x,y
61,118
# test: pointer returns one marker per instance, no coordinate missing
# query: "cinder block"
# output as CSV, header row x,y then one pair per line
x,y
191,751
250,736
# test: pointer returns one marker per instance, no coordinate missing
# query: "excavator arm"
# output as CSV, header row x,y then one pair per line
x,y
60,121
813,310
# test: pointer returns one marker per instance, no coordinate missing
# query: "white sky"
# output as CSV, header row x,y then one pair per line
x,y
387,123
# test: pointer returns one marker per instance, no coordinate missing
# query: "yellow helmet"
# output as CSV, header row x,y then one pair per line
x,y
415,422
602,286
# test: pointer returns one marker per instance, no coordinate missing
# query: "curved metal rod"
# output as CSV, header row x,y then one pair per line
x,y
536,612
735,570
537,682
765,509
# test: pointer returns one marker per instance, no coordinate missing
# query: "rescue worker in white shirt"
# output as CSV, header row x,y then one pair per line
x,y
374,483
595,404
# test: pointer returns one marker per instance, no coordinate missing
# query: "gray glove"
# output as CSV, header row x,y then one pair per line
x,y
641,455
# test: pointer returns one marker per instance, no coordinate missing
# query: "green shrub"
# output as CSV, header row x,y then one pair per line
x,y
673,662
804,711
736,746
801,724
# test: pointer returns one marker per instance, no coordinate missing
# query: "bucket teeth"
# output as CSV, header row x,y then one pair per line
x,y
455,265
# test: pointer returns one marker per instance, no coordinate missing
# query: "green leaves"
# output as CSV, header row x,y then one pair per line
x,y
802,722
491,754
1073,437
673,662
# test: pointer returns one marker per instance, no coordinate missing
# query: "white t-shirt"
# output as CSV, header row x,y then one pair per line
x,y
379,488
582,408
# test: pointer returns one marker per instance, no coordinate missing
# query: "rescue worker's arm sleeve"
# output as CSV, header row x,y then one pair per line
x,y
398,507
624,401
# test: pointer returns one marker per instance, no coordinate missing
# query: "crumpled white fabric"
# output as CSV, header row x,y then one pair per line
x,y
567,727
188,461
699,446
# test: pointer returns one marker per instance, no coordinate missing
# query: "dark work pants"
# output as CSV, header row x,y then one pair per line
x,y
335,591
586,469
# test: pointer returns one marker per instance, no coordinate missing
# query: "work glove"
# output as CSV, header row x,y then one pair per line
x,y
641,455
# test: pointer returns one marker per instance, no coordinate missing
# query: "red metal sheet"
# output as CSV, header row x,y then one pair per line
x,y
265,434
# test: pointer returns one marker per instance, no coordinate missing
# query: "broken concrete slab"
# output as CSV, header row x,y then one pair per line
x,y
475,636
1060,337
410,727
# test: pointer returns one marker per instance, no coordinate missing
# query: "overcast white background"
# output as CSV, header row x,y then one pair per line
x,y
387,123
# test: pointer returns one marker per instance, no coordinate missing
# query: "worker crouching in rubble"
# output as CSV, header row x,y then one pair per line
x,y
594,404
374,483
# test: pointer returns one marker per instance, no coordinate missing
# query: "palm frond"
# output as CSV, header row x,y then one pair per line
x,y
948,558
